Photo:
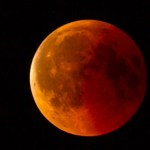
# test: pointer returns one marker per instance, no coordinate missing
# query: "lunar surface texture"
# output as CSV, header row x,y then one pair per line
x,y
88,78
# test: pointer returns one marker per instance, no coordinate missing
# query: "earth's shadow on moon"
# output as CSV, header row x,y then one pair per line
x,y
125,133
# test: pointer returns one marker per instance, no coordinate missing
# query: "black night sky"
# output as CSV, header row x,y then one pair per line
x,y
23,26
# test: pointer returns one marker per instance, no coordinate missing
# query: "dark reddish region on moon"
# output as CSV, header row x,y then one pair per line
x,y
88,78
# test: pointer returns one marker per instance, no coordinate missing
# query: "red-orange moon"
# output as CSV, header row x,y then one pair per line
x,y
88,78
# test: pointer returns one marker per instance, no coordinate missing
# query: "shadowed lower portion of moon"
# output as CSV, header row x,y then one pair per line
x,y
88,78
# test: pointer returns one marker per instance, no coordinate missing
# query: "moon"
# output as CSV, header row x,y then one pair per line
x,y
88,78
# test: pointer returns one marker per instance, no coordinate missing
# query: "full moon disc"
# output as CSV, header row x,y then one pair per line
x,y
88,78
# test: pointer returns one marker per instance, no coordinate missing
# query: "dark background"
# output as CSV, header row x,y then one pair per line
x,y
23,26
